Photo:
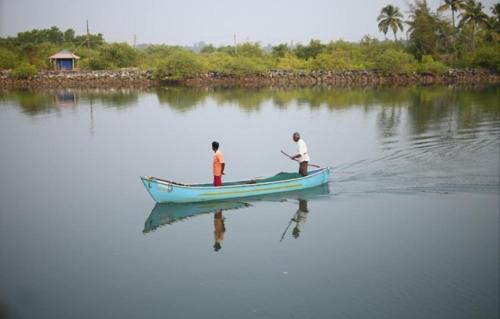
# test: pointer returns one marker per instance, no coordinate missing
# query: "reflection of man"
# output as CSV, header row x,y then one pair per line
x,y
300,218
219,230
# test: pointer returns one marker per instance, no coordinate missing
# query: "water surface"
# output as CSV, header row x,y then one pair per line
x,y
408,226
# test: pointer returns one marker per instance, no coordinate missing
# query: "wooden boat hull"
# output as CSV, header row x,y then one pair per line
x,y
170,192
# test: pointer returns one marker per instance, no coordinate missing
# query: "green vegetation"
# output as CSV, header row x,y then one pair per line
x,y
431,43
179,65
390,17
24,71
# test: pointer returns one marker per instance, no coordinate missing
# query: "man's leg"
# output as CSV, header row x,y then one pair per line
x,y
303,168
217,180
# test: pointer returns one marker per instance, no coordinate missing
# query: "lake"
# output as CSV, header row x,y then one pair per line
x,y
408,226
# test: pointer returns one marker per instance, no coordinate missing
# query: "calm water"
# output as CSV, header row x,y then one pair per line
x,y
408,226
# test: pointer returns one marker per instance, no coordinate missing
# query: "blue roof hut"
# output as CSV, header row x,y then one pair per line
x,y
65,60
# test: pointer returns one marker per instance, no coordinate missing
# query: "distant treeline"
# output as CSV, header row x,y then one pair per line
x,y
430,43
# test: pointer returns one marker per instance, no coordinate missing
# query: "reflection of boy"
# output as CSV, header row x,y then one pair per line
x,y
219,230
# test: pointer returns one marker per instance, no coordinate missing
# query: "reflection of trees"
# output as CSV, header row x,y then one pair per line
x,y
464,107
247,99
179,98
45,101
116,98
472,105
388,120
424,105
119,100
31,102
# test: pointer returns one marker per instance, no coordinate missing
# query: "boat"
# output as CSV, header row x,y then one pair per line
x,y
164,191
170,213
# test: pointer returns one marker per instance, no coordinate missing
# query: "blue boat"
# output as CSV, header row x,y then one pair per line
x,y
169,213
164,191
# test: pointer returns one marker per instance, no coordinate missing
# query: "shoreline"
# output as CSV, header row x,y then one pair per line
x,y
144,79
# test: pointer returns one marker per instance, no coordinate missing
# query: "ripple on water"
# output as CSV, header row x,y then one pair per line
x,y
442,161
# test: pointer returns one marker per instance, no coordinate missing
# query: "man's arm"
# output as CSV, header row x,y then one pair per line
x,y
222,168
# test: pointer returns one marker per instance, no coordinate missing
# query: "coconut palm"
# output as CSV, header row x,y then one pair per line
x,y
390,17
491,27
454,6
496,10
496,13
474,16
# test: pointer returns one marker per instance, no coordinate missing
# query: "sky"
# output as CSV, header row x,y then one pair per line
x,y
185,22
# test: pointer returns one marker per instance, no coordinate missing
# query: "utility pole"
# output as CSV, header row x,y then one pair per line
x,y
135,41
235,50
88,35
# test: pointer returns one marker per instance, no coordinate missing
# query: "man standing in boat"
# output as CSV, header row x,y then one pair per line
x,y
302,156
218,165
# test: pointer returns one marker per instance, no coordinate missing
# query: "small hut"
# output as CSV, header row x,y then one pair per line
x,y
65,60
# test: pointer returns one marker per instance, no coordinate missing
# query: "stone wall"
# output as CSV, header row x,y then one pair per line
x,y
342,79
91,79
138,78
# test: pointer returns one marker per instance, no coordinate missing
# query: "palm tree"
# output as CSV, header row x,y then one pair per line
x,y
496,13
390,17
474,16
491,27
453,5
496,10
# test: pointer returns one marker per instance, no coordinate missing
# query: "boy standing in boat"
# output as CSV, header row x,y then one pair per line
x,y
302,155
218,165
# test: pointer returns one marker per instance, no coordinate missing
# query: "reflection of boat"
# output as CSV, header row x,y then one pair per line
x,y
168,213
164,191
163,214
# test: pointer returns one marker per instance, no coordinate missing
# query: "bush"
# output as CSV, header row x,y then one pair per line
x,y
290,62
339,60
238,65
248,49
396,61
429,65
178,66
241,65
488,57
306,52
117,55
24,71
97,62
8,60
217,61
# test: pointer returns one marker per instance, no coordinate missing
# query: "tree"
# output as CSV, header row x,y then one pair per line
x,y
69,35
280,50
306,52
454,6
180,65
491,29
474,16
120,55
422,29
496,12
390,17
